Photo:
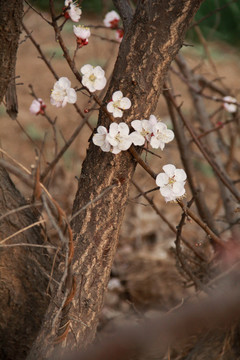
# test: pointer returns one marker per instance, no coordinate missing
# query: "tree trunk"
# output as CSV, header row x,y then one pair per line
x,y
10,25
151,42
23,281
153,39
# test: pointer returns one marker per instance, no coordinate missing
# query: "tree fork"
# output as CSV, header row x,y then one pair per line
x,y
152,40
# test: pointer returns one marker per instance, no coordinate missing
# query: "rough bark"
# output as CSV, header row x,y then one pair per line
x,y
150,44
10,25
23,281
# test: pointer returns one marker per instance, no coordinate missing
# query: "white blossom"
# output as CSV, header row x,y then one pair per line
x,y
111,19
232,108
171,182
62,93
161,135
93,77
74,12
82,33
118,104
153,120
37,106
143,130
99,139
118,137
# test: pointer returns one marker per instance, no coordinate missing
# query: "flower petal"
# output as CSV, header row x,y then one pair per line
x,y
115,150
162,179
99,139
178,189
123,128
117,112
125,103
137,138
153,120
100,83
137,125
71,96
117,95
106,147
102,130
86,69
154,142
113,129
125,143
98,72
180,175
169,169
64,83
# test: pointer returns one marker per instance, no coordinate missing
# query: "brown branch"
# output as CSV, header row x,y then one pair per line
x,y
181,257
184,151
212,13
163,217
64,148
223,177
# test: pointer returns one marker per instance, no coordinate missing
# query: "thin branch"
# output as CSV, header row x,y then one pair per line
x,y
29,245
22,230
223,177
40,14
65,147
171,227
212,13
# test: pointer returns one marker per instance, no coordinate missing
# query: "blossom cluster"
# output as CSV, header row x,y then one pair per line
x,y
119,138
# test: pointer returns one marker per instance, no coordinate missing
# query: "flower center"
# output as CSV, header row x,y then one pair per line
x,y
116,104
144,132
92,77
171,181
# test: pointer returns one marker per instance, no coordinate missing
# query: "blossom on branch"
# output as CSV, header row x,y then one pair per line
x,y
99,139
111,19
143,130
93,77
118,103
73,11
82,33
37,107
161,135
171,182
62,93
232,108
119,137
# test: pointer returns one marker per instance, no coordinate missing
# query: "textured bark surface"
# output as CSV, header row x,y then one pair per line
x,y
10,24
23,281
151,42
153,39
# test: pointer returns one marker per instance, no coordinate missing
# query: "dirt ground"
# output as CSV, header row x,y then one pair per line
x,y
144,276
